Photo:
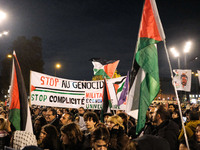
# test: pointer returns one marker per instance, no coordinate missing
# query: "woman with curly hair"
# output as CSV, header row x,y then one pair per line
x,y
72,137
49,138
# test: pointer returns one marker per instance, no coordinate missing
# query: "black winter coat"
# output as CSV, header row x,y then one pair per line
x,y
151,142
169,130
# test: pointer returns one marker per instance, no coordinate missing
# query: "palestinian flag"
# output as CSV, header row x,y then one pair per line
x,y
106,98
106,101
118,86
19,114
104,67
144,72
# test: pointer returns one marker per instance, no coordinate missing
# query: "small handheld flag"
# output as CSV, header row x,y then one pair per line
x,y
104,67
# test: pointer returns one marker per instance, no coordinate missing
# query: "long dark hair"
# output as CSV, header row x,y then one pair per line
x,y
51,141
73,132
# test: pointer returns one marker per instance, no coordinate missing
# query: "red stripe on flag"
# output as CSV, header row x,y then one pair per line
x,y
110,68
116,86
15,103
148,28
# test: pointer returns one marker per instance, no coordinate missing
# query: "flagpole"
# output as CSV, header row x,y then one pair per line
x,y
178,101
132,72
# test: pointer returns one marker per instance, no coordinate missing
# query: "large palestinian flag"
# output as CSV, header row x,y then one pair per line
x,y
145,73
19,114
104,67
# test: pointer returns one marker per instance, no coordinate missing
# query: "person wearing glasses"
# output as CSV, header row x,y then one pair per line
x,y
51,118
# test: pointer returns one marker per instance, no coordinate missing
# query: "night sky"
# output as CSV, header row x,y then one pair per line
x,y
73,31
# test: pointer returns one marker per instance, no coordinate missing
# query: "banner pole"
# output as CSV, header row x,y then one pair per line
x,y
178,101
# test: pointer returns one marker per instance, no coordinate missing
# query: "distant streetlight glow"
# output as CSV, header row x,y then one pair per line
x,y
174,52
58,66
187,47
9,56
2,15
3,33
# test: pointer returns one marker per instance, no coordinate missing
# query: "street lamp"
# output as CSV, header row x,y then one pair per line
x,y
176,54
9,56
186,50
2,16
57,66
3,33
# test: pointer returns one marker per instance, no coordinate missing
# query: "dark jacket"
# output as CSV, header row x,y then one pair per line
x,y
178,122
57,124
151,142
169,130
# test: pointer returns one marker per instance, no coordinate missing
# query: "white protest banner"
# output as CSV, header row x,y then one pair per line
x,y
52,91
182,80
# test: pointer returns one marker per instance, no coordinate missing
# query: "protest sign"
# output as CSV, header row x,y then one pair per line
x,y
52,91
182,80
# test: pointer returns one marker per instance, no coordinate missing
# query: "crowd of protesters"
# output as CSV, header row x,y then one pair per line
x,y
80,129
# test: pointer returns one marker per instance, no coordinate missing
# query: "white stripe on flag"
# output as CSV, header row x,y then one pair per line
x,y
157,18
29,127
134,95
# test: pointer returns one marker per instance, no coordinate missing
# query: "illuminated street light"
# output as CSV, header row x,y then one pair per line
x,y
57,66
186,50
187,47
2,15
9,56
3,33
176,54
